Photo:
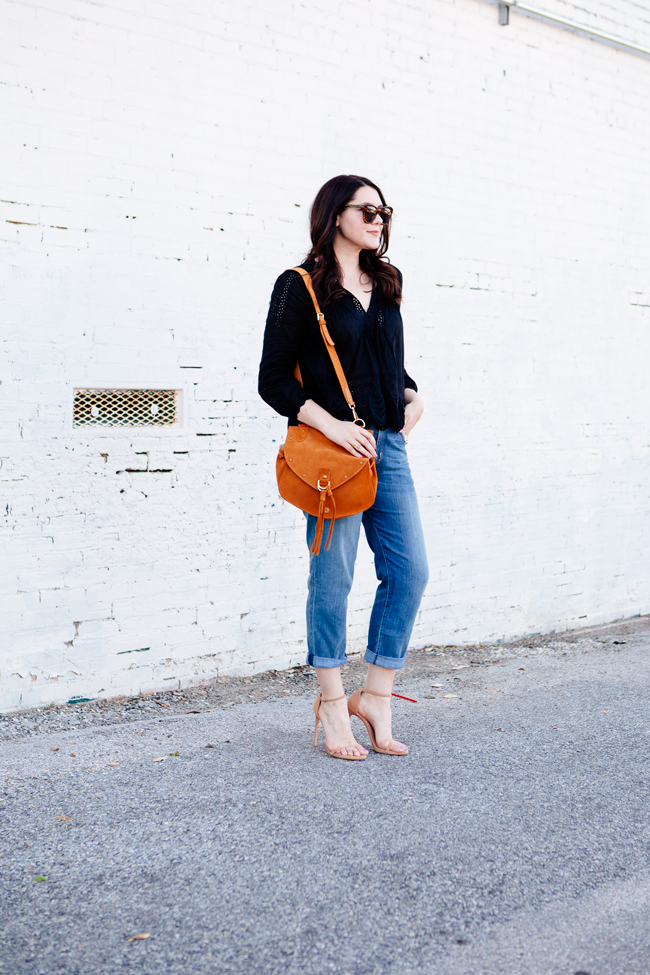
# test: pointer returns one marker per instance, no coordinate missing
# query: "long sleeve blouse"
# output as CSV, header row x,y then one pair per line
x,y
370,345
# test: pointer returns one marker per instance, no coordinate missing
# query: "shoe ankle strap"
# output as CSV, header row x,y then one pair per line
x,y
372,693
328,700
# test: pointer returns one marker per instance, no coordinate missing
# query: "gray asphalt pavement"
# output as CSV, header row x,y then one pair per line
x,y
514,839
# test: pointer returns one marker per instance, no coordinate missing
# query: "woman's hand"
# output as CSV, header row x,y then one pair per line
x,y
412,411
355,439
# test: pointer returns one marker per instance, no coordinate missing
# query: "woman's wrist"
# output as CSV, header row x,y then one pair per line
x,y
315,416
357,441
411,396
413,410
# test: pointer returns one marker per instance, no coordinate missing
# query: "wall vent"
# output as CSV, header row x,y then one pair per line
x,y
125,407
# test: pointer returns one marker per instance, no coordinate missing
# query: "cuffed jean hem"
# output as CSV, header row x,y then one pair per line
x,y
314,661
391,663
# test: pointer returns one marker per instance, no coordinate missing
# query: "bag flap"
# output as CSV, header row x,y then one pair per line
x,y
308,452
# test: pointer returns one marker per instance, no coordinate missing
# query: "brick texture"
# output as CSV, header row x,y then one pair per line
x,y
158,162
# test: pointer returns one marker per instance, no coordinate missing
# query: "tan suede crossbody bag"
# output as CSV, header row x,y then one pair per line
x,y
315,474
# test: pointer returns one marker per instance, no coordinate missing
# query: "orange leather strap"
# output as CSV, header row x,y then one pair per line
x,y
329,343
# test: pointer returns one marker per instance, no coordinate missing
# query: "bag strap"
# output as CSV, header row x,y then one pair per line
x,y
329,345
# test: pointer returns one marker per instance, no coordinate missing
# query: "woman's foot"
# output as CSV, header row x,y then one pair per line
x,y
377,711
336,724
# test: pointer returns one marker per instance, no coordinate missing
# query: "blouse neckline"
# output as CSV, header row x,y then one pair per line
x,y
358,303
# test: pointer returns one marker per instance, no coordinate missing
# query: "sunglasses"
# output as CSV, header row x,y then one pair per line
x,y
370,212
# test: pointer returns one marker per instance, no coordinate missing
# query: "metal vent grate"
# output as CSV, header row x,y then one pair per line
x,y
124,407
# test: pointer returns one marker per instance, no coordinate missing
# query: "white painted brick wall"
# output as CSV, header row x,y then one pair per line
x,y
158,162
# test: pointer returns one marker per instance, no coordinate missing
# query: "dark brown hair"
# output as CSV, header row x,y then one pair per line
x,y
326,274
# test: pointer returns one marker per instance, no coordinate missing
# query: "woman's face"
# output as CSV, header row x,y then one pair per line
x,y
353,228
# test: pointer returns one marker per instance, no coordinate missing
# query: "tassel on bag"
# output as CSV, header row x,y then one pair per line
x,y
325,493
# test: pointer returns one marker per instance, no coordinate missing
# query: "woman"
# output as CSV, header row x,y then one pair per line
x,y
360,295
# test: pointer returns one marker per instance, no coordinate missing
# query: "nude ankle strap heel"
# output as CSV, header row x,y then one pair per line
x,y
334,752
353,709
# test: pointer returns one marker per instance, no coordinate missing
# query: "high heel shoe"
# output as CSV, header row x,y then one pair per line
x,y
353,709
334,752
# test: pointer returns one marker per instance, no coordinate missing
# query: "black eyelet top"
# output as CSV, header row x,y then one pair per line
x,y
370,345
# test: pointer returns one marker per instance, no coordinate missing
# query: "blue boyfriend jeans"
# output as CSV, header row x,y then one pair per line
x,y
394,533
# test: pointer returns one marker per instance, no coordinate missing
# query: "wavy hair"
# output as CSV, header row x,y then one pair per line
x,y
326,275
